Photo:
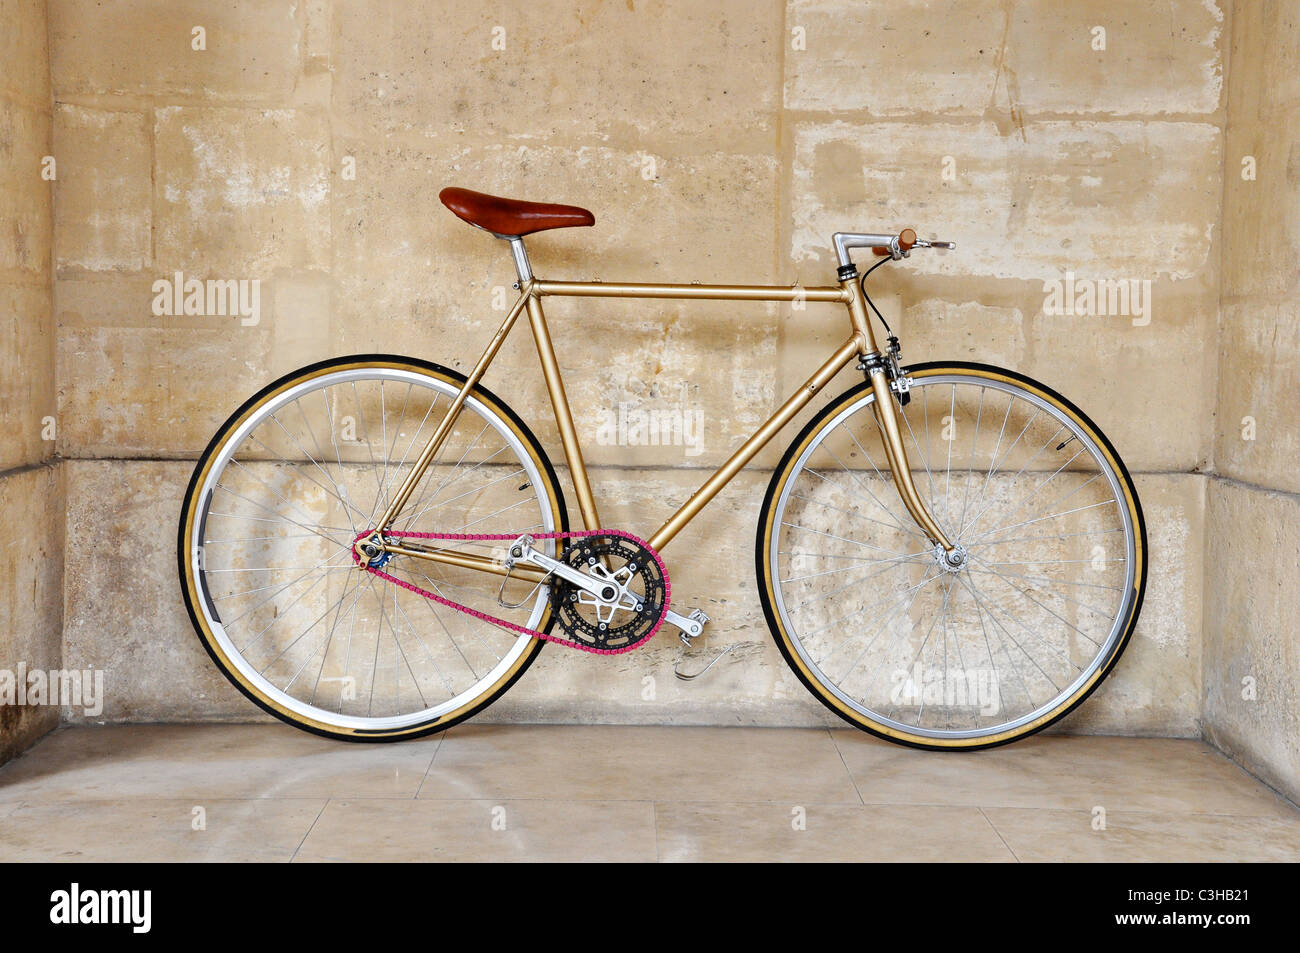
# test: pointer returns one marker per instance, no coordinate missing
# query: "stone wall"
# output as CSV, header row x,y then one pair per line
x,y
31,492
1252,655
719,141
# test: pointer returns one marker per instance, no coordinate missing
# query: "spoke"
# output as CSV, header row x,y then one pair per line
x,y
952,426
853,614
829,572
1033,661
284,519
230,622
243,649
844,539
1053,516
1025,592
981,611
355,582
915,592
840,509
970,467
456,466
1056,502
440,589
1030,539
291,505
856,479
863,450
978,516
1050,582
994,463
338,457
1028,631
892,564
332,493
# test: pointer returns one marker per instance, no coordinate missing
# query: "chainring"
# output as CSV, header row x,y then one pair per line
x,y
633,574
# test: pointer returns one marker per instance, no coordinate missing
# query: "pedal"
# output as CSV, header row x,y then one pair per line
x,y
692,626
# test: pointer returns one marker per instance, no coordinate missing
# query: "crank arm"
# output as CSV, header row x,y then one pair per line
x,y
690,628
604,590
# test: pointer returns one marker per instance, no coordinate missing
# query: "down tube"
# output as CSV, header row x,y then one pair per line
x,y
795,403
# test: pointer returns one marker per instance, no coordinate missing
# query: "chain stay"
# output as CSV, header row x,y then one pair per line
x,y
522,630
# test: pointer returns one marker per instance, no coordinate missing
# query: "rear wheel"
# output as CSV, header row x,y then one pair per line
x,y
904,644
276,500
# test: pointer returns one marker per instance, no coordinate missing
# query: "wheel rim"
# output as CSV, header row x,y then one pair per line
x,y
316,638
1015,644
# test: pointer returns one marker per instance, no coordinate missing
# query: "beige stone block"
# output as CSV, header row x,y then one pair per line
x,y
1156,61
145,49
934,329
31,594
240,193
1026,207
24,195
103,197
1259,390
892,59
1264,57
1261,215
601,73
1148,386
1252,666
300,324
123,609
942,57
27,394
24,52
154,391
1155,689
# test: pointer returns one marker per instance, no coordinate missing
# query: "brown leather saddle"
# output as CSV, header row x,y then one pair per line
x,y
512,218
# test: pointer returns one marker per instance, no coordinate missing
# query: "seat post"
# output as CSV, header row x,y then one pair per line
x,y
521,258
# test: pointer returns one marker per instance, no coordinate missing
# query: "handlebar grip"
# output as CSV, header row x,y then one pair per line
x,y
906,239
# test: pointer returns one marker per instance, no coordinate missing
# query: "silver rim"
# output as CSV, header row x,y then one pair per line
x,y
286,494
1037,608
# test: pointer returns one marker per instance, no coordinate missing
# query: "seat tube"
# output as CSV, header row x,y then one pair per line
x,y
563,416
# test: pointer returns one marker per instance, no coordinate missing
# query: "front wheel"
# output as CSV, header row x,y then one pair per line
x,y
898,641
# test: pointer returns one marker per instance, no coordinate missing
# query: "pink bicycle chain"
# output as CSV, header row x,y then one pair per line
x,y
523,630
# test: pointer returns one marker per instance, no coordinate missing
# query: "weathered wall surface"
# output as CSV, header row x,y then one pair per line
x,y
31,499
714,142
1252,656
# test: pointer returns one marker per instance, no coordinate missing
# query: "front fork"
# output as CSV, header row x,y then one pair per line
x,y
877,366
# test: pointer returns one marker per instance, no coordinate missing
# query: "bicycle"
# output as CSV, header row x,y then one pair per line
x,y
933,605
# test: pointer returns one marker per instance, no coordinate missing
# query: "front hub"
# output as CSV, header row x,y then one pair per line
x,y
954,561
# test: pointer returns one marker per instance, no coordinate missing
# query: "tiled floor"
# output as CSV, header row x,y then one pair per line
x,y
253,792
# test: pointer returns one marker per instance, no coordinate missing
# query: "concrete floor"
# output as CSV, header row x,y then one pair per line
x,y
270,793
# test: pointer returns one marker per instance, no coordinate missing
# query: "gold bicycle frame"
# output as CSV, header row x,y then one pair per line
x,y
861,344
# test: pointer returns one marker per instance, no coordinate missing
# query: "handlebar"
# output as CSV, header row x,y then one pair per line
x,y
895,246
